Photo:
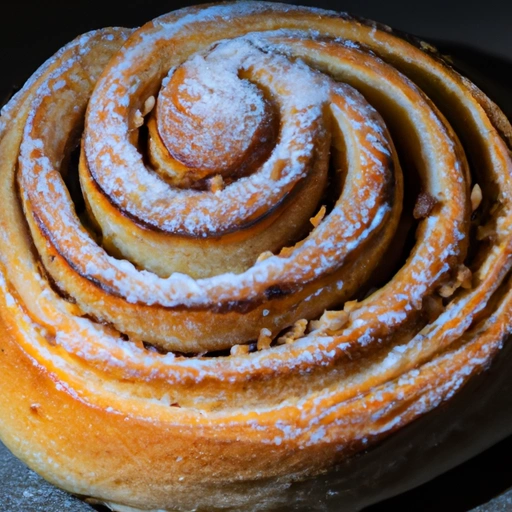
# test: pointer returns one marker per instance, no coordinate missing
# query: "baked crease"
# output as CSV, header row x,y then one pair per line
x,y
201,336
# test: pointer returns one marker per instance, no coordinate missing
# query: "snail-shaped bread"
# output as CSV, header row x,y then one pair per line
x,y
239,245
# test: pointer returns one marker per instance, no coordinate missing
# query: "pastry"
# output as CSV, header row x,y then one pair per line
x,y
239,245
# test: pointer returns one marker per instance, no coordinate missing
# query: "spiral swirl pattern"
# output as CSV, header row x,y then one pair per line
x,y
239,291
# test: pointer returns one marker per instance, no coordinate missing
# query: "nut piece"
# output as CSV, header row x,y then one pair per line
x,y
462,280
331,321
264,339
464,277
264,256
424,205
476,197
486,232
138,119
216,183
239,350
350,306
149,104
297,331
318,217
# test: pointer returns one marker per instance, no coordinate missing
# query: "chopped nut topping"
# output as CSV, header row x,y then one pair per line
x,y
446,290
138,116
216,183
278,169
476,197
264,256
335,319
148,105
297,331
239,350
424,205
487,231
350,306
138,119
462,279
331,321
137,341
428,47
264,339
318,217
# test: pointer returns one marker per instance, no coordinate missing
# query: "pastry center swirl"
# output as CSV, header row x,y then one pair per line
x,y
212,121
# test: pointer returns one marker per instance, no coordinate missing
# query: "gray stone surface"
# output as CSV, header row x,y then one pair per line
x,y
502,503
22,490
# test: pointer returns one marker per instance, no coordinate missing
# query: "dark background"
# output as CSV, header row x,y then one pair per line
x,y
32,31
480,33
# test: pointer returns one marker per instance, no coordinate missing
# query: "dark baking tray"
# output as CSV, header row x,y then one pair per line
x,y
453,459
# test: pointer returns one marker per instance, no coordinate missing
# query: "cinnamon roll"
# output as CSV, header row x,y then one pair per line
x,y
239,245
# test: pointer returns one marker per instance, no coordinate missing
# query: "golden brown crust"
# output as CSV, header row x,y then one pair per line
x,y
328,342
